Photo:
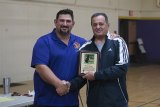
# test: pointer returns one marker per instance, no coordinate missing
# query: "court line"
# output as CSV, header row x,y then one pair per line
x,y
148,102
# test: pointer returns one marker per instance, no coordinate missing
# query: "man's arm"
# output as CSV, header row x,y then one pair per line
x,y
49,77
77,83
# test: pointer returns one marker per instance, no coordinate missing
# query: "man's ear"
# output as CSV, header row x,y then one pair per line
x,y
108,24
55,21
73,23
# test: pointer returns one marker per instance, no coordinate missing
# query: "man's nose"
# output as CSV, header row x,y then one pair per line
x,y
65,23
98,26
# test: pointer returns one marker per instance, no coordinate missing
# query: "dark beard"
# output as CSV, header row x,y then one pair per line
x,y
63,33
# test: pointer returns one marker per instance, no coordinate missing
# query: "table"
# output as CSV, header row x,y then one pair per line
x,y
16,101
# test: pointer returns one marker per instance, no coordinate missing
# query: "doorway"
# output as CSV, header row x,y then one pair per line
x,y
127,30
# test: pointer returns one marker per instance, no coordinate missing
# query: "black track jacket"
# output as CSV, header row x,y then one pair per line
x,y
109,87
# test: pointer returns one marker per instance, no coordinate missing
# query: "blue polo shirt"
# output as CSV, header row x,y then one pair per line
x,y
62,59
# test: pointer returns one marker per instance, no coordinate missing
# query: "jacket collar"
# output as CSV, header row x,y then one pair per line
x,y
93,38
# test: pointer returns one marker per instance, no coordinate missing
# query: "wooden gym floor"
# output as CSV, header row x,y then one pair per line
x,y
143,84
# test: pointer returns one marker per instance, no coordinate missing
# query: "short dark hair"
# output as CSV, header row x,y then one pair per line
x,y
99,14
65,11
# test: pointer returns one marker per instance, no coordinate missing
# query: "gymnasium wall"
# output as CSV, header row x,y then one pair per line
x,y
23,21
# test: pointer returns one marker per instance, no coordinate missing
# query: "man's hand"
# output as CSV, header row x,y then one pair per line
x,y
113,35
89,76
77,45
63,88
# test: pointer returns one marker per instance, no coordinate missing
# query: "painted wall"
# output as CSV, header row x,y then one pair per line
x,y
149,31
150,8
22,22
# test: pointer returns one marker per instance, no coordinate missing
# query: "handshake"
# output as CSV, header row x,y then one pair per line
x,y
63,87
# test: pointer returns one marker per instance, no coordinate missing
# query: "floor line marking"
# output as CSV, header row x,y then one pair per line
x,y
148,102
